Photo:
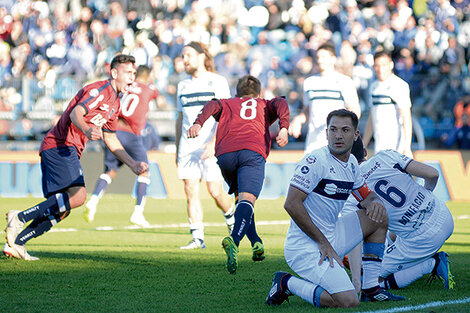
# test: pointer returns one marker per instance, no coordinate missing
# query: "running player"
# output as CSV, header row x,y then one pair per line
x,y
420,221
389,119
132,119
195,157
324,92
242,146
91,115
322,182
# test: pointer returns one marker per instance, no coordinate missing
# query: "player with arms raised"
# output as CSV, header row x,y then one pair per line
x,y
91,115
131,122
242,145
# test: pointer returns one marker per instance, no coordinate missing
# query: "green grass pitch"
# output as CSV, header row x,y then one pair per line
x,y
122,269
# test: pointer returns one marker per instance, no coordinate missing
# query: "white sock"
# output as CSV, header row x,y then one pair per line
x,y
139,209
230,220
409,275
371,270
230,211
197,230
301,288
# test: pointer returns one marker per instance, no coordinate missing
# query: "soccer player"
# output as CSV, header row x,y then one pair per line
x,y
317,238
195,158
389,119
242,145
324,92
91,115
131,122
420,221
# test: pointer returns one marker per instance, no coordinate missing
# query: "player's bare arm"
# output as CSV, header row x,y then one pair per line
x,y
430,174
78,119
295,127
375,209
294,206
113,143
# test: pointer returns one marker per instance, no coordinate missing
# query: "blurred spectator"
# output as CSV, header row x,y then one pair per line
x,y
460,135
117,23
81,57
462,107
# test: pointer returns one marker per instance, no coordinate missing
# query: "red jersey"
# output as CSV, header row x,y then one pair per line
x,y
244,122
135,107
101,103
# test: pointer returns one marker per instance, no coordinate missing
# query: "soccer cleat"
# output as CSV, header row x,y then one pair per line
x,y
14,226
258,252
138,219
380,295
194,244
277,295
18,252
231,250
90,210
442,270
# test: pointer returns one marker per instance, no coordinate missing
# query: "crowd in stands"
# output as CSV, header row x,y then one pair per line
x,y
59,45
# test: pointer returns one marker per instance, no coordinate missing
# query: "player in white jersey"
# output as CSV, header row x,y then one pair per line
x,y
322,182
420,221
324,92
195,158
390,114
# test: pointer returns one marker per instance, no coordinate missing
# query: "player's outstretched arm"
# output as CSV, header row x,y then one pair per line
x,y
294,206
113,143
430,174
78,119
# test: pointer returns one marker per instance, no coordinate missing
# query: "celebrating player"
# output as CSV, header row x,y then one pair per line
x,y
317,239
134,111
420,221
195,158
324,92
91,115
242,145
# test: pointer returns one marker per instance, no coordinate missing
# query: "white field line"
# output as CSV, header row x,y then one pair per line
x,y
158,226
422,306
463,217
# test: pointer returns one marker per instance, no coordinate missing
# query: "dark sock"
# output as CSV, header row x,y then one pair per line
x,y
58,200
141,192
243,215
251,234
390,282
100,186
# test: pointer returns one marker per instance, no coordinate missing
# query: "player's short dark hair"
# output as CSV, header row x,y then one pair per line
x,y
122,59
248,86
380,52
358,149
343,113
142,70
328,46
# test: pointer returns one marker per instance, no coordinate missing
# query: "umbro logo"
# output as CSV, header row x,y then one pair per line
x,y
381,297
273,290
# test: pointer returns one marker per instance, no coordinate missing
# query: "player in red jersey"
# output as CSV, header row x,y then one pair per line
x,y
131,122
91,115
242,145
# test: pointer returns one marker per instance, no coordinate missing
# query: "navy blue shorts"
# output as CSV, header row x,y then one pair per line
x,y
133,145
243,171
61,169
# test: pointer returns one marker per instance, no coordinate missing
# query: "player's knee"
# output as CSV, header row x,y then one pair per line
x,y
348,302
77,196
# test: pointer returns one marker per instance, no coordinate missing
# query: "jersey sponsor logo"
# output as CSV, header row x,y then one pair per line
x,y
325,95
300,181
197,98
311,159
334,189
304,170
371,170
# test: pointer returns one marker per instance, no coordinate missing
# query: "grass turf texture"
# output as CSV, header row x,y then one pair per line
x,y
143,270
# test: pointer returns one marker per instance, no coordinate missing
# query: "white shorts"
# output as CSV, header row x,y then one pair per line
x,y
303,259
407,252
191,166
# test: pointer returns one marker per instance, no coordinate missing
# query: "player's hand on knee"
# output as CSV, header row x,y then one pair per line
x,y
376,212
328,253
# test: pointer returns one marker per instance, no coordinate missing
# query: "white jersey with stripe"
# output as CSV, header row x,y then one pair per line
x,y
327,182
323,94
192,94
388,97
409,205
